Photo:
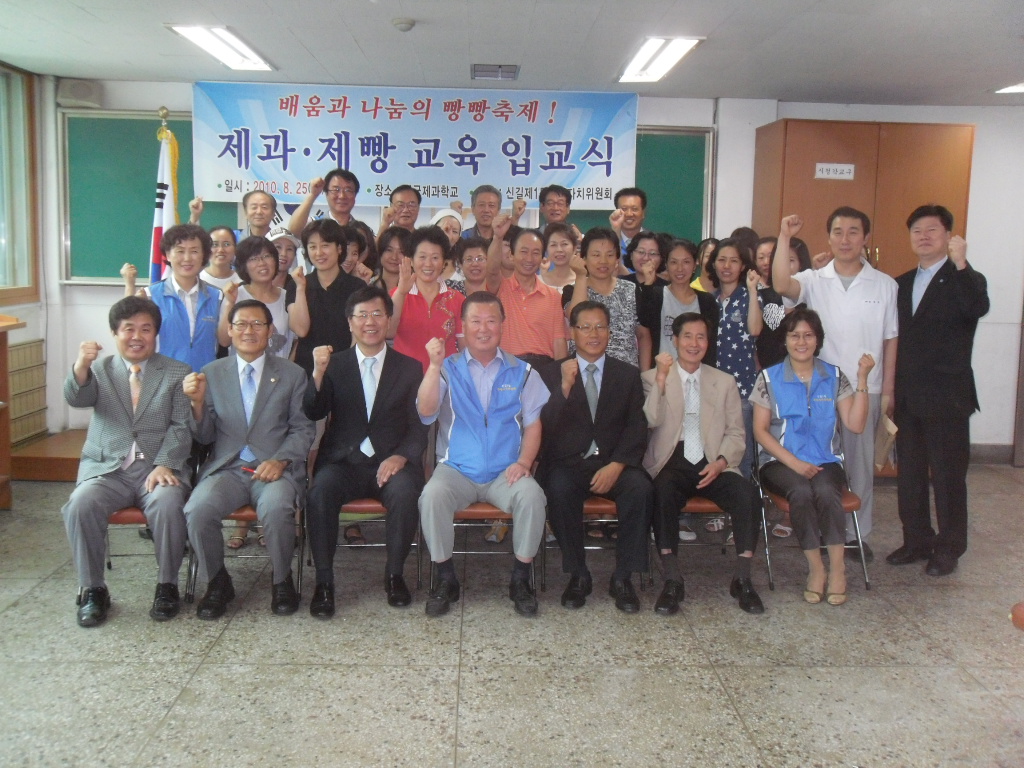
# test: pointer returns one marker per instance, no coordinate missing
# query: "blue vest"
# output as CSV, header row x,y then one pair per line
x,y
175,338
481,445
804,420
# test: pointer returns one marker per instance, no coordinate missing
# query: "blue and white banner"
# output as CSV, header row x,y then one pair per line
x,y
445,142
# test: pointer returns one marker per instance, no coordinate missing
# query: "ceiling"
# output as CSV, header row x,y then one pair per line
x,y
941,52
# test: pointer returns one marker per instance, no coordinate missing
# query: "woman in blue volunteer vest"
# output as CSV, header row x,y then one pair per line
x,y
799,452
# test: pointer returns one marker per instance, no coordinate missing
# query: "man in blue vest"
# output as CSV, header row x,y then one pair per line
x,y
488,404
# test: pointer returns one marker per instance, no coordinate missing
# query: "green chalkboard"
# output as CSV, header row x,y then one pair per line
x,y
670,168
110,171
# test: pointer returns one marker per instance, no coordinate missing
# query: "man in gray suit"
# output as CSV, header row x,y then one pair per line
x,y
134,454
249,406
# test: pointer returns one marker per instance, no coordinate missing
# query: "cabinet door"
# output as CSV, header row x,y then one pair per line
x,y
809,142
918,164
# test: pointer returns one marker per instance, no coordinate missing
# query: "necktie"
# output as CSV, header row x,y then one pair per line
x,y
135,385
590,387
693,447
369,393
248,401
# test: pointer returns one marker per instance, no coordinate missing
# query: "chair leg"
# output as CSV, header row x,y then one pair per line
x,y
106,536
302,553
192,577
860,549
419,557
767,547
544,560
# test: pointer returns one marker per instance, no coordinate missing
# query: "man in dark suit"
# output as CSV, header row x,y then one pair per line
x,y
696,443
249,405
595,435
373,447
134,454
939,305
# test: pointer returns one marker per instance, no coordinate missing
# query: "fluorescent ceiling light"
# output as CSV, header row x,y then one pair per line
x,y
224,46
1018,88
656,57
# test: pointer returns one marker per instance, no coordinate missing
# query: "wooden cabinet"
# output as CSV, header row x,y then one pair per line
x,y
896,168
7,323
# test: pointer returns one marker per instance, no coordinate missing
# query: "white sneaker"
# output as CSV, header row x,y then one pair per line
x,y
686,533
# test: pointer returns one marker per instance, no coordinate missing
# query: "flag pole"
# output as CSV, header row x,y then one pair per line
x,y
165,213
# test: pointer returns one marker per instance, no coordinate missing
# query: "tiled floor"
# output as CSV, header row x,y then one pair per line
x,y
916,672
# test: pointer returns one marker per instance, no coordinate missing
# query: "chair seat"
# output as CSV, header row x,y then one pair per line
x,y
481,510
246,514
598,506
851,501
698,505
127,516
364,507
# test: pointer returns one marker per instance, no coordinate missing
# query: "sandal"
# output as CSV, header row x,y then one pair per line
x,y
237,542
261,540
594,530
353,535
714,525
496,533
780,531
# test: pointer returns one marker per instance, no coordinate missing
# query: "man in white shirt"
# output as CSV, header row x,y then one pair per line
x,y
857,306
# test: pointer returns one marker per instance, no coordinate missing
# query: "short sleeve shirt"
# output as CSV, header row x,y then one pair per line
x,y
533,320
735,344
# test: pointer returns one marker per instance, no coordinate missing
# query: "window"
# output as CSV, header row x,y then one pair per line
x,y
17,188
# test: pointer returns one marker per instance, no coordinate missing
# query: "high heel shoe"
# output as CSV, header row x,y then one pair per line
x,y
813,597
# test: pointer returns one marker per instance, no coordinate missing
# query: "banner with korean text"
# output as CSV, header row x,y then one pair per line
x,y
445,142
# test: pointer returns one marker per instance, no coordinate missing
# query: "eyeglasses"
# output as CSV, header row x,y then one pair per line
x,y
600,328
260,257
364,316
647,254
243,325
475,259
343,191
406,206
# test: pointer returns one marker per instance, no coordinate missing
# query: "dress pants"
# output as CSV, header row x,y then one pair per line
x,y
815,505
338,483
220,494
567,487
677,482
95,500
939,444
448,491
859,451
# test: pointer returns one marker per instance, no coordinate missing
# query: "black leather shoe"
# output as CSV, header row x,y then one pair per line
x,y
398,592
743,590
940,564
92,607
219,592
624,594
284,600
906,555
671,596
519,592
322,604
854,554
166,603
441,597
575,595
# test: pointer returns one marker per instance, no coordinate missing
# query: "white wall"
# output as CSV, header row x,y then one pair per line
x,y
997,186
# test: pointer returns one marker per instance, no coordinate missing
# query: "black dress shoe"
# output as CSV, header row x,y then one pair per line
x,y
441,597
624,594
219,592
906,555
671,596
284,600
854,554
398,592
575,595
941,564
92,607
322,604
166,603
520,593
743,590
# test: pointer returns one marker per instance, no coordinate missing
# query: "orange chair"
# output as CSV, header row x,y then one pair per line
x,y
247,514
851,503
598,509
480,514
